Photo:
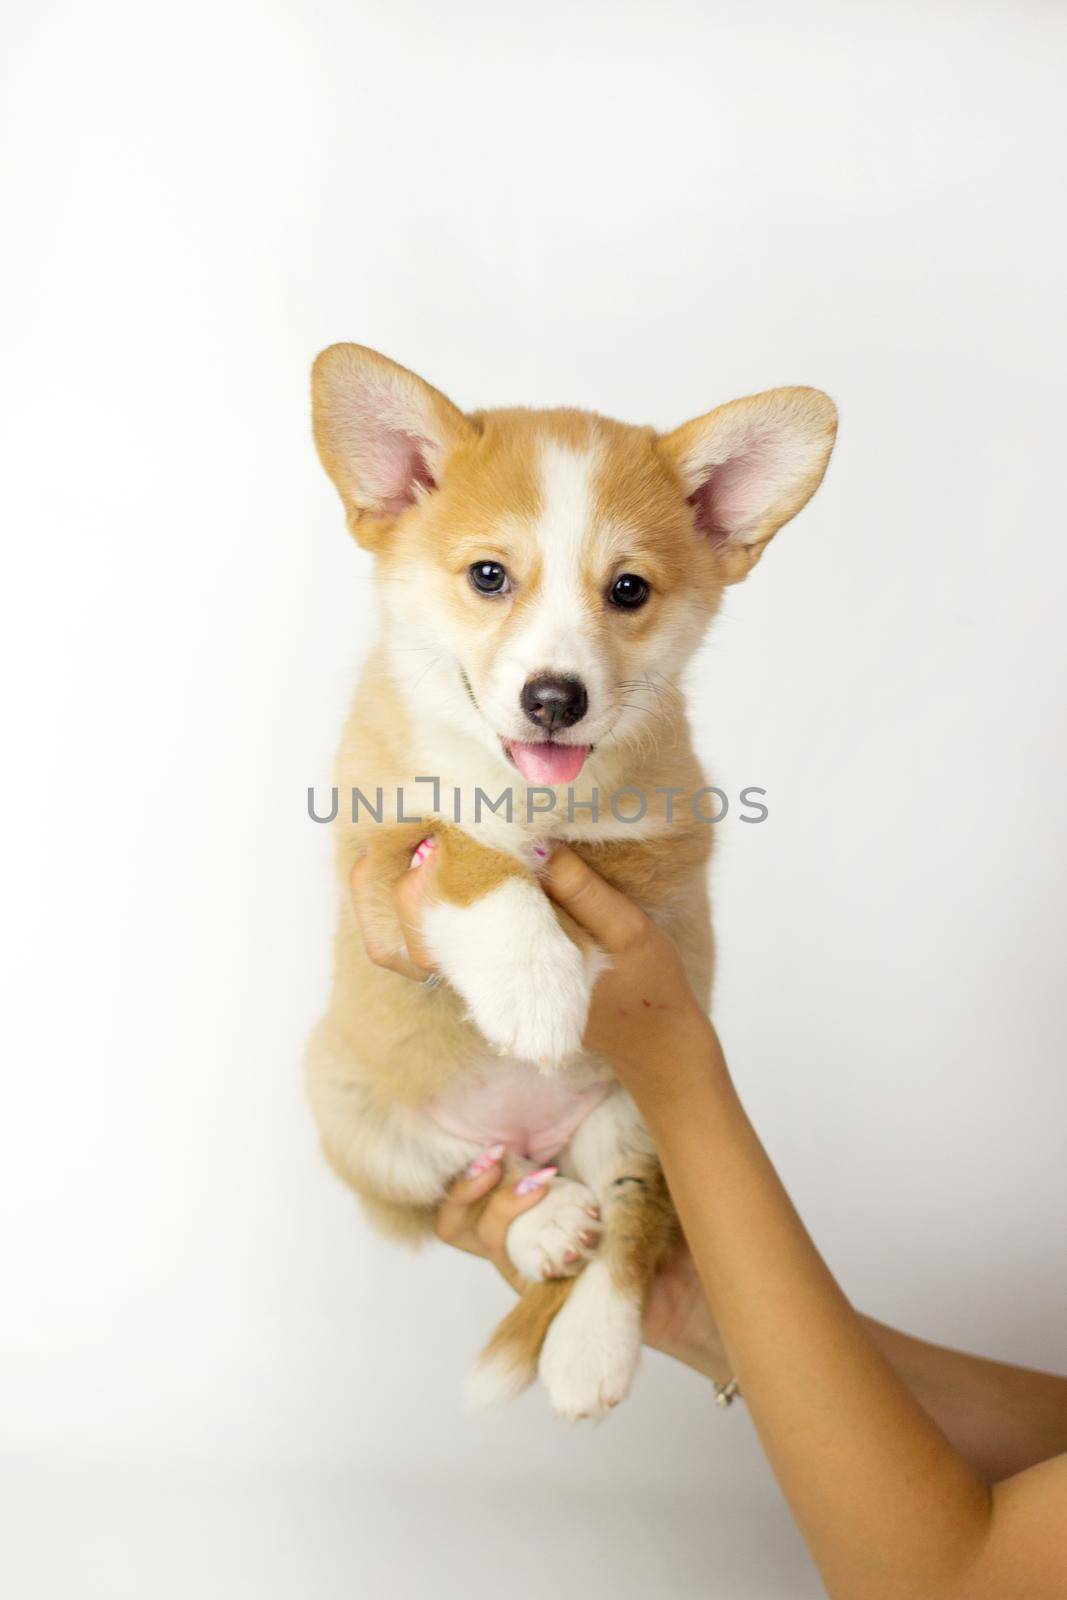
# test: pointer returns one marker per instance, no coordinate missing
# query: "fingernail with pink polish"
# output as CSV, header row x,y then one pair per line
x,y
540,852
423,850
488,1158
535,1180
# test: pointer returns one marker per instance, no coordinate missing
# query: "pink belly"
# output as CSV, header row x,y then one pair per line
x,y
515,1105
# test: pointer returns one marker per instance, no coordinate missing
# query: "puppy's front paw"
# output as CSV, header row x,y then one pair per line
x,y
526,983
593,1347
556,1237
535,1008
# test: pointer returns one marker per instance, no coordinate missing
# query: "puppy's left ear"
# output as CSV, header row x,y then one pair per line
x,y
749,466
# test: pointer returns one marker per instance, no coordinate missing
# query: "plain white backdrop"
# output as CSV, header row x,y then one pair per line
x,y
215,1379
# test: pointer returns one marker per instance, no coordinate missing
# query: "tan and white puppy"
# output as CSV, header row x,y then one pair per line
x,y
543,577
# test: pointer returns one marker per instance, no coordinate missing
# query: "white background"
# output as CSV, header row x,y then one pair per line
x,y
216,1381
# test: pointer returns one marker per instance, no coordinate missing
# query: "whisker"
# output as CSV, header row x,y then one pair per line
x,y
426,669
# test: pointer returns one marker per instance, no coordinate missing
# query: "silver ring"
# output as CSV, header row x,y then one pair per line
x,y
727,1393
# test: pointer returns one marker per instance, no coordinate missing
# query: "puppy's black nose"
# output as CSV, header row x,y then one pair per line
x,y
554,702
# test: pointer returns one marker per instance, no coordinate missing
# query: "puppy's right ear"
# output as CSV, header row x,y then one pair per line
x,y
382,434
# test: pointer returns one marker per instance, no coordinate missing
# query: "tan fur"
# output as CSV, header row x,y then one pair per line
x,y
516,1341
644,1227
386,1046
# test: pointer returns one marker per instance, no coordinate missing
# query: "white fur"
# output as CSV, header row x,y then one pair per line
x,y
593,1347
526,983
539,1240
560,633
605,1141
554,639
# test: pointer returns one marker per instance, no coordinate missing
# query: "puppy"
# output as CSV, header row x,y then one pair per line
x,y
542,579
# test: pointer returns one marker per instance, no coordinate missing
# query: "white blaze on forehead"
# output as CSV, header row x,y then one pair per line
x,y
567,508
558,634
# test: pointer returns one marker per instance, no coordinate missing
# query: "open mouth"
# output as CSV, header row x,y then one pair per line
x,y
546,762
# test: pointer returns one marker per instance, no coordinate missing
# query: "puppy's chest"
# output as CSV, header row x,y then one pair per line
x,y
511,1103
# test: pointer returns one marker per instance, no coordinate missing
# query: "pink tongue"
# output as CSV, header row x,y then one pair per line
x,y
549,763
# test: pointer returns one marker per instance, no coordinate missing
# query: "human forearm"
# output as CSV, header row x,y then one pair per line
x,y
882,1497
891,1510
1001,1418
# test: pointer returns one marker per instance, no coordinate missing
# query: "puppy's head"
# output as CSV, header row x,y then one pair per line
x,y
546,574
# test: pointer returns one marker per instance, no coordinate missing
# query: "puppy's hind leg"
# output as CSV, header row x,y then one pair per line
x,y
508,1364
592,1349
548,1245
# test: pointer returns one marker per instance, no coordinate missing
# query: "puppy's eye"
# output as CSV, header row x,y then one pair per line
x,y
489,577
629,591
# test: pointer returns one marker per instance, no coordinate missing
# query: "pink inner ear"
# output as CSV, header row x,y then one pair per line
x,y
703,504
388,449
736,492
400,461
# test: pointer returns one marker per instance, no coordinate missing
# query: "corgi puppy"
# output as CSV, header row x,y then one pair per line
x,y
542,579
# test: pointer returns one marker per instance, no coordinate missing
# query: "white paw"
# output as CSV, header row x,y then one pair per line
x,y
556,1237
526,983
593,1347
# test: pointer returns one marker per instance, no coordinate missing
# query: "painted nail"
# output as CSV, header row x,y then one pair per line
x,y
540,852
535,1180
489,1157
423,849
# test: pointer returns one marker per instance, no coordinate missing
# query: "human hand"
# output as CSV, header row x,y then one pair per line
x,y
408,893
644,1018
477,1212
